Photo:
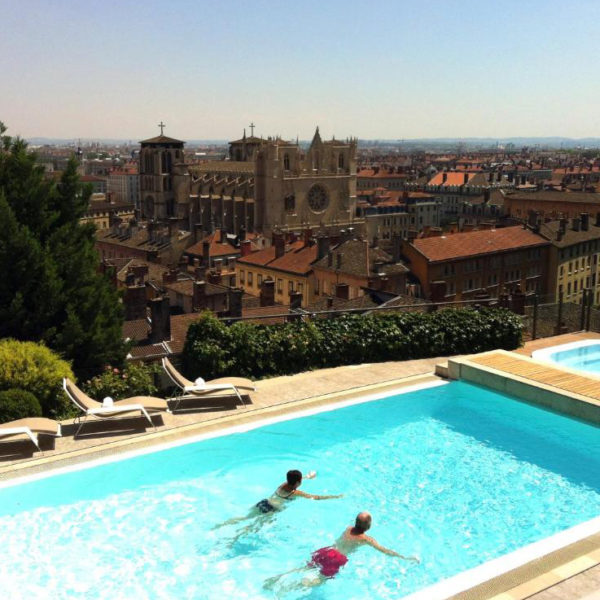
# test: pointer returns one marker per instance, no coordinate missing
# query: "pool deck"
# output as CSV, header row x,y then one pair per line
x,y
571,573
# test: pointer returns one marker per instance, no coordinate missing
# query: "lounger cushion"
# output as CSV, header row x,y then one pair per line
x,y
36,424
150,403
240,382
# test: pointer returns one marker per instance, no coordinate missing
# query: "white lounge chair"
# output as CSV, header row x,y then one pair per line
x,y
31,428
206,389
142,405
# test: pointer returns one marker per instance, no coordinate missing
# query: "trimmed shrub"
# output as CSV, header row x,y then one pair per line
x,y
18,404
133,380
36,369
212,349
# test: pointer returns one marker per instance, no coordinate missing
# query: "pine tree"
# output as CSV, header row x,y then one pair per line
x,y
51,289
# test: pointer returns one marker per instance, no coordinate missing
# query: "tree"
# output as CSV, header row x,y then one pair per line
x,y
51,289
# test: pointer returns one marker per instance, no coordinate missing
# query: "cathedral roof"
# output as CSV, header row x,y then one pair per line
x,y
248,140
162,139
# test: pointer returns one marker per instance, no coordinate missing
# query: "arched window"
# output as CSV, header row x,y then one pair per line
x,y
286,162
340,161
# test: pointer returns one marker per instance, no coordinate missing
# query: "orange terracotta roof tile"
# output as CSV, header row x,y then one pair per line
x,y
452,178
473,243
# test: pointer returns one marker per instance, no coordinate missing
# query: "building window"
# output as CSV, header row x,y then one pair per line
x,y
279,286
340,161
249,278
290,286
286,162
242,278
300,288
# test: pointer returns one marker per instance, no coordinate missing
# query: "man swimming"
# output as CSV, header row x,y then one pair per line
x,y
287,491
330,559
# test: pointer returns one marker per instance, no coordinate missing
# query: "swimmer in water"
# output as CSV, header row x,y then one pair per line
x,y
278,500
330,559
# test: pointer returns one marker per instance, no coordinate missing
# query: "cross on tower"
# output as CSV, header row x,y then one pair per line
x,y
251,129
162,126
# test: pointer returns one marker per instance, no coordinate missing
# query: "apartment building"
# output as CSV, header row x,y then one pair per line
x,y
573,260
491,260
287,263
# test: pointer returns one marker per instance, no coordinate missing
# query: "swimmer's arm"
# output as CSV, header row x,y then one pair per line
x,y
315,496
378,546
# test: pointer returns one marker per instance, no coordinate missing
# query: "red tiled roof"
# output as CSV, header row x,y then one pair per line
x,y
451,178
216,247
473,243
297,259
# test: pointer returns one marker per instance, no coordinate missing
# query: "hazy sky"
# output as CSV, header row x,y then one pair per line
x,y
371,69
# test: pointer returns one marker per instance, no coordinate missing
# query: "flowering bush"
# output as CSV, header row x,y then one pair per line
x,y
133,380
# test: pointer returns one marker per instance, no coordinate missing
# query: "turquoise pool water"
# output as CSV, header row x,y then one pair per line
x,y
456,474
585,358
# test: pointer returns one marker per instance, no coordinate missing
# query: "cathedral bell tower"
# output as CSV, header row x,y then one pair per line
x,y
158,156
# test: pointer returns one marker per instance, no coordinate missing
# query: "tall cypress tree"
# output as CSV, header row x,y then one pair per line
x,y
51,289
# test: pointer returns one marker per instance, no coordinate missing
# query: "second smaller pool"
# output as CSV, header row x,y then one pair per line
x,y
584,355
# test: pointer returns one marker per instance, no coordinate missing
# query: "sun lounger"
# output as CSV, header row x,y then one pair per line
x,y
30,428
137,405
206,389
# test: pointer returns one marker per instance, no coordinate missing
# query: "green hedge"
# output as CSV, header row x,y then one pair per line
x,y
18,404
213,349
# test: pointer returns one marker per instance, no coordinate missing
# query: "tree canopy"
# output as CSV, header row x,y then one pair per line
x,y
51,289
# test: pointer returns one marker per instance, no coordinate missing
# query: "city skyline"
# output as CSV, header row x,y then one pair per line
x,y
387,71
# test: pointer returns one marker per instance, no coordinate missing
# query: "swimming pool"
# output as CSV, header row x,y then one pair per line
x,y
584,355
456,474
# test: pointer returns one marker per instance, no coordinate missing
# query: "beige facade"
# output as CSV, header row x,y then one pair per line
x,y
574,258
250,279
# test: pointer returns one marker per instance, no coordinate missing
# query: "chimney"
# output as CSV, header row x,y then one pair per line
x,y
140,271
295,300
134,300
585,221
206,253
559,235
342,290
278,240
234,296
218,263
199,295
130,278
329,302
377,266
323,246
338,260
307,235
214,277
267,292
396,247
245,247
562,224
242,234
576,223
160,329
437,291
444,177
465,179
412,235
169,276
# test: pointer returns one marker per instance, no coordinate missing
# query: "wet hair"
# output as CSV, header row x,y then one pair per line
x,y
293,477
363,522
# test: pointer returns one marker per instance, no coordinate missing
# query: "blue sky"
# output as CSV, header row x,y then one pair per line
x,y
379,69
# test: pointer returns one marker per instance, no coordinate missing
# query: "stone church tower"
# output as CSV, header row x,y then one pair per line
x,y
158,157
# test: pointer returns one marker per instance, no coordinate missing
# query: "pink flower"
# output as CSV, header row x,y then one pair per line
x,y
116,371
